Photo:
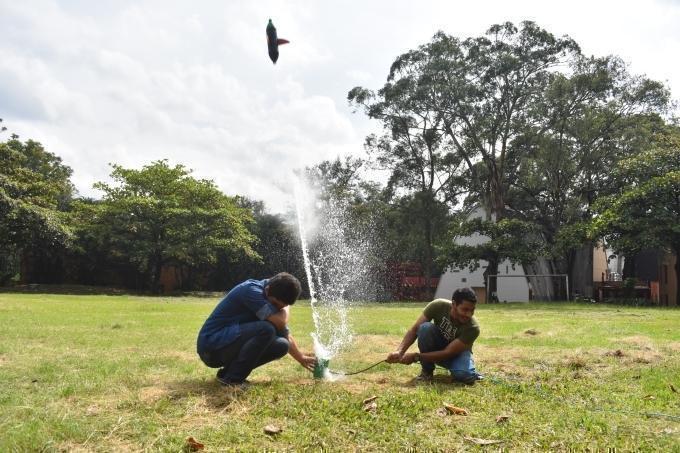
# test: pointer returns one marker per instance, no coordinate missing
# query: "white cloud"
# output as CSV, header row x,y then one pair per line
x,y
132,82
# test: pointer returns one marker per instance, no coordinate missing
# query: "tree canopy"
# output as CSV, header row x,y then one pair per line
x,y
160,216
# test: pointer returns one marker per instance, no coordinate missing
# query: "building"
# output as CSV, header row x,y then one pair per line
x,y
509,288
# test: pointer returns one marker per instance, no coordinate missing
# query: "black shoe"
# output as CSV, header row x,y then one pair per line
x,y
473,379
425,377
222,379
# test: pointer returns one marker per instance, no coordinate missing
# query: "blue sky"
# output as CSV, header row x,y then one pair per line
x,y
130,82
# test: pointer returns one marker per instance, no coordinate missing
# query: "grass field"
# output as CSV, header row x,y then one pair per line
x,y
120,373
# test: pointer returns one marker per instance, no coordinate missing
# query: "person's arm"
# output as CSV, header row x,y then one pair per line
x,y
453,349
306,361
280,318
407,341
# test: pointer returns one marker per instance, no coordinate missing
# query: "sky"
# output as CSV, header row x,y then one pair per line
x,y
131,82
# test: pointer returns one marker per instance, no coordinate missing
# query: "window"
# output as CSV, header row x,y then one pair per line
x,y
463,279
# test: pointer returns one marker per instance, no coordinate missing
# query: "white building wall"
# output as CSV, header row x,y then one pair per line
x,y
509,289
514,289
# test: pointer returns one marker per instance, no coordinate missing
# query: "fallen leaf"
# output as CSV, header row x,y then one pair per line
x,y
368,400
371,406
478,441
272,430
455,410
193,445
531,332
649,397
502,418
673,389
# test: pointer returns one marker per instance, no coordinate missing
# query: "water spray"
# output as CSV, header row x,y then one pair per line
x,y
335,265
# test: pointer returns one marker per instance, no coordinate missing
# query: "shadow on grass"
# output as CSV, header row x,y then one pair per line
x,y
216,395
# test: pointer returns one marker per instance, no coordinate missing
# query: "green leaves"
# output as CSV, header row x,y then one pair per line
x,y
160,216
511,239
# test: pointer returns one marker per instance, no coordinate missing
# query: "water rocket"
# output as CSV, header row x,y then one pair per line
x,y
273,42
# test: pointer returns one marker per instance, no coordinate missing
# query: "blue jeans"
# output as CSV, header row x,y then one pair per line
x,y
430,339
258,343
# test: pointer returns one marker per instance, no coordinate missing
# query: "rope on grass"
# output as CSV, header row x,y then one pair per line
x,y
341,373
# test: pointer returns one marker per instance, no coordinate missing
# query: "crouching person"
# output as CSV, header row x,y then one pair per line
x,y
248,328
445,332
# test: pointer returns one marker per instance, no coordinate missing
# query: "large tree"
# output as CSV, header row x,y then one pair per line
x,y
160,215
590,116
35,187
646,211
471,98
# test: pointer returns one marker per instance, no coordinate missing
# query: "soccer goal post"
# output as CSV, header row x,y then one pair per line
x,y
526,287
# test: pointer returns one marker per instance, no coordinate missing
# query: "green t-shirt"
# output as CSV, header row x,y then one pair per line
x,y
439,311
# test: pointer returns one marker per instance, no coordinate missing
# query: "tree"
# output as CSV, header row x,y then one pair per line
x,y
508,239
587,120
35,187
646,213
471,97
160,216
414,149
276,243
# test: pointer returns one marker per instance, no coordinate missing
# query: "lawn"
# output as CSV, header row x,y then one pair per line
x,y
120,373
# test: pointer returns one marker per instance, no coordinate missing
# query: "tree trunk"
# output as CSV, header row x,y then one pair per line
x,y
497,214
155,272
427,265
492,283
628,266
676,251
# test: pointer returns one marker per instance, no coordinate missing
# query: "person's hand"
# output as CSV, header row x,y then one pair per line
x,y
393,357
308,361
408,358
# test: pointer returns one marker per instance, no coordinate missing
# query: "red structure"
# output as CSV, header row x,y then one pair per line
x,y
406,282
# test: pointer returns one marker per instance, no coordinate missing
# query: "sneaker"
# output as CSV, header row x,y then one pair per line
x,y
424,377
225,381
471,380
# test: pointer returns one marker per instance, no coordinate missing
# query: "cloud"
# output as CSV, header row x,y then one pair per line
x,y
131,82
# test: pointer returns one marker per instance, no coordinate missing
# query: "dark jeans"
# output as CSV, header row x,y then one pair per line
x,y
462,367
259,343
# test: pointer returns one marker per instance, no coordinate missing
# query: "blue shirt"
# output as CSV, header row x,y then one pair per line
x,y
246,302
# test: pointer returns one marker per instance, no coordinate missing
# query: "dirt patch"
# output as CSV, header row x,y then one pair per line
x,y
648,356
73,447
507,360
673,346
150,395
380,344
112,444
639,341
3,360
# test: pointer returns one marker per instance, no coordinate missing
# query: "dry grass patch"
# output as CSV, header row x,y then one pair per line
x,y
639,341
673,346
150,395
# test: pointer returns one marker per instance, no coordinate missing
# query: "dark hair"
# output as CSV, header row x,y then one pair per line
x,y
462,294
284,287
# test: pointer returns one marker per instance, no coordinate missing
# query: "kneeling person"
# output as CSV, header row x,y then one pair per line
x,y
248,328
445,332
